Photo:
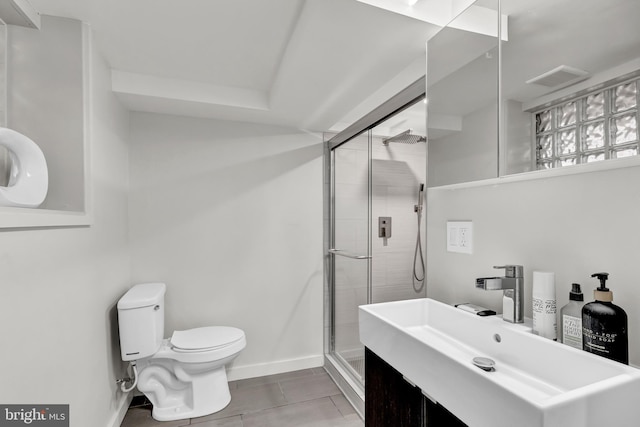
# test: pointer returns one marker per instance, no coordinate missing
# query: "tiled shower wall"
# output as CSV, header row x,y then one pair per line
x,y
397,171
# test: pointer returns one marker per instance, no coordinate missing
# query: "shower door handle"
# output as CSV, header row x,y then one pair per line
x,y
348,254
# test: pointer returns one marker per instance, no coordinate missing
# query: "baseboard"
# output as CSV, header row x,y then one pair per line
x,y
276,367
123,405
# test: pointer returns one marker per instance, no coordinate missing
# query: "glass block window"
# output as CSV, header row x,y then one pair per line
x,y
594,127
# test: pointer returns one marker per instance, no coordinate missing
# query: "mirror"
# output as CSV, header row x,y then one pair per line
x,y
566,117
5,160
462,103
47,98
560,60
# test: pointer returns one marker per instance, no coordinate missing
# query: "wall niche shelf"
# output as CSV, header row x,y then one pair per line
x,y
48,100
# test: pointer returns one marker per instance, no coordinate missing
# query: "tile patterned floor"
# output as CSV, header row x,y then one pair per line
x,y
306,398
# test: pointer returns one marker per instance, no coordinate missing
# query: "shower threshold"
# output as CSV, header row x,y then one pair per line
x,y
352,388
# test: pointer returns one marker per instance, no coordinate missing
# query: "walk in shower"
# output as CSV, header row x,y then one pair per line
x,y
375,178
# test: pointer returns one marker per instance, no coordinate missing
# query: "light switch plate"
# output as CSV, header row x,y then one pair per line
x,y
460,237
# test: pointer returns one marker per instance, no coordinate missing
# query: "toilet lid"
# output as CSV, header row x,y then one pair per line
x,y
208,337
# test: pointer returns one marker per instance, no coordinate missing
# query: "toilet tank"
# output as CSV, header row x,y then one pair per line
x,y
141,320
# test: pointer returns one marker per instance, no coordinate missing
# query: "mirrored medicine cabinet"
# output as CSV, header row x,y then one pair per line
x,y
550,85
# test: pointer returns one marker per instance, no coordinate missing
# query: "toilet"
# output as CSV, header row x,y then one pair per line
x,y
183,376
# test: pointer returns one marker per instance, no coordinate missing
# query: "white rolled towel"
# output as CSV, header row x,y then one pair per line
x,y
29,177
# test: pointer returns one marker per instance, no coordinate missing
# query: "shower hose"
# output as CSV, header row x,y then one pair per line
x,y
418,280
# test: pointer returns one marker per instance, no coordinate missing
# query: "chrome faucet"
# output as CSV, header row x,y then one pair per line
x,y
513,296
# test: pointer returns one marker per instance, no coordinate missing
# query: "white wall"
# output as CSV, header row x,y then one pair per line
x,y
60,285
229,215
572,225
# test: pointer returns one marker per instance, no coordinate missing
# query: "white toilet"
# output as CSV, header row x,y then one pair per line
x,y
183,376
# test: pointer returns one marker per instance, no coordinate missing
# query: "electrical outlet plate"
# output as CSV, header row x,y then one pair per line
x,y
460,237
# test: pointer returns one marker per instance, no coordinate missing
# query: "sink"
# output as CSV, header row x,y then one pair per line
x,y
535,382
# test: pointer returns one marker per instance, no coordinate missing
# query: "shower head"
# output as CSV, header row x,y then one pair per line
x,y
405,137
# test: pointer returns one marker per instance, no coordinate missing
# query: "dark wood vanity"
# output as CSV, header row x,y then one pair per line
x,y
392,401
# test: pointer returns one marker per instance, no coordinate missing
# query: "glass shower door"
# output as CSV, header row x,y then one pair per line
x,y
350,249
374,171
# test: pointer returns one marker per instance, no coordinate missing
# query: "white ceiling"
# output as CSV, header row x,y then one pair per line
x,y
311,64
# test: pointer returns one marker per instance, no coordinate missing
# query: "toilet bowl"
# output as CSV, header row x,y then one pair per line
x,y
183,376
190,382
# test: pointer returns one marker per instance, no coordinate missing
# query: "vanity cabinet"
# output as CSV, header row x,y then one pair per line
x,y
390,400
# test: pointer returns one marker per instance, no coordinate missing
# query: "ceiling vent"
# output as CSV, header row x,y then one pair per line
x,y
559,77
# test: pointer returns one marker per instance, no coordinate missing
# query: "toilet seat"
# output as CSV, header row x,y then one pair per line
x,y
207,344
205,339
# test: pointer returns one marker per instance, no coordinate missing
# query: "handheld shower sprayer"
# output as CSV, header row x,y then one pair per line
x,y
418,208
418,279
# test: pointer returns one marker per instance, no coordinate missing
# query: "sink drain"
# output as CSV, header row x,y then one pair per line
x,y
484,363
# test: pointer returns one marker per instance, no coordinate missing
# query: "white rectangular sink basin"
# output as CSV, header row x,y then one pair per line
x,y
536,382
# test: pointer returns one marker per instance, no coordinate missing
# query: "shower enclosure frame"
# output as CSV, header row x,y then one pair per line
x,y
335,365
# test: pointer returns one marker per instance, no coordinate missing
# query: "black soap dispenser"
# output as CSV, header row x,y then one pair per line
x,y
604,325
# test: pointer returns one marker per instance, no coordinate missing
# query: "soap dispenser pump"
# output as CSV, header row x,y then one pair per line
x,y
604,325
